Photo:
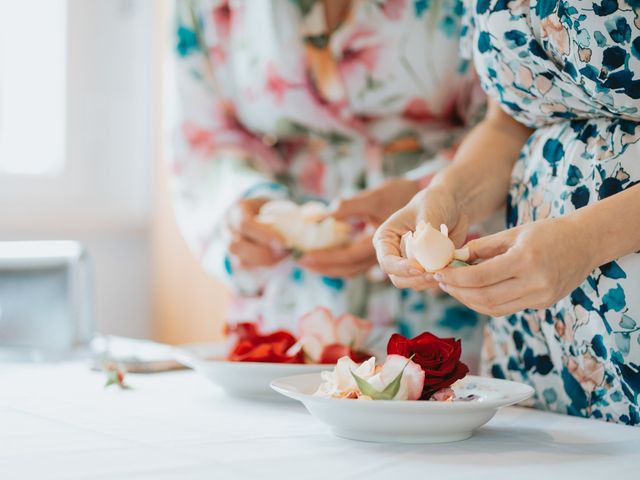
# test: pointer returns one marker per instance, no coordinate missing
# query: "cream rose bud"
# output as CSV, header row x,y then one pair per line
x,y
305,227
412,381
431,248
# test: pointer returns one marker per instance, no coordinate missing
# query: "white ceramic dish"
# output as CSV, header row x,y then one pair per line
x,y
249,380
407,421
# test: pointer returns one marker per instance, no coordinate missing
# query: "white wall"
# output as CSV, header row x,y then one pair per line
x,y
103,197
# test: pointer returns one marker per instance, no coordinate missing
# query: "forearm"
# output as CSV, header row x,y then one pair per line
x,y
480,175
611,226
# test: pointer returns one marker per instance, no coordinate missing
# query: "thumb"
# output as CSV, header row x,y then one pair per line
x,y
490,246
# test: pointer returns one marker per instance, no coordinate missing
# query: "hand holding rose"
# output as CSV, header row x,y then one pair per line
x,y
433,205
530,266
371,207
253,244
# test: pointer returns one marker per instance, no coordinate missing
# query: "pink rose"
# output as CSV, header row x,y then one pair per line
x,y
325,338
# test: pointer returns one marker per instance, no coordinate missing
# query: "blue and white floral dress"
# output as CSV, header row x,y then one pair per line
x,y
571,70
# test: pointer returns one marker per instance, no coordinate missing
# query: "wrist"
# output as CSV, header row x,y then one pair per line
x,y
586,234
449,183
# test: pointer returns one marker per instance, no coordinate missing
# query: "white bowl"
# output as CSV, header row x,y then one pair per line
x,y
249,380
407,421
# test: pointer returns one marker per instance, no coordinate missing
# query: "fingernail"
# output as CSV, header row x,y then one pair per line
x,y
414,271
438,277
443,287
428,277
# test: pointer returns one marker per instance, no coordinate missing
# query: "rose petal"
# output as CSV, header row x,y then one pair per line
x,y
332,353
318,323
352,331
433,250
406,245
411,384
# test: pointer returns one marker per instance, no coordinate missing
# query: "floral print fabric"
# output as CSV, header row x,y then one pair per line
x,y
274,105
571,70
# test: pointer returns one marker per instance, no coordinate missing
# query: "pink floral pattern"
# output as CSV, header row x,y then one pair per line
x,y
272,105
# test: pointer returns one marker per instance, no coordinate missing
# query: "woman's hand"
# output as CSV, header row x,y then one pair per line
x,y
435,205
371,206
253,244
345,262
530,266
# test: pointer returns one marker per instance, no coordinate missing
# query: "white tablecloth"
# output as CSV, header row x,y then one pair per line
x,y
58,422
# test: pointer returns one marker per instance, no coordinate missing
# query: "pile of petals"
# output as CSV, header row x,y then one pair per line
x,y
251,346
305,227
323,339
420,368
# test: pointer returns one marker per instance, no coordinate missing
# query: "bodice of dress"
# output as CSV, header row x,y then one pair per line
x,y
550,60
375,98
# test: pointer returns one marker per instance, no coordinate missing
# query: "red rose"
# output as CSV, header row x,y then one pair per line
x,y
254,347
438,357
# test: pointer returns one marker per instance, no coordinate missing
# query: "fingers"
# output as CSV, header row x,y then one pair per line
x,y
345,271
246,254
387,245
418,282
489,298
242,222
349,261
496,269
490,246
262,234
355,252
508,308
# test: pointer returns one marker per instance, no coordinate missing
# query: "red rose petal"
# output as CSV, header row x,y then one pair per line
x,y
272,348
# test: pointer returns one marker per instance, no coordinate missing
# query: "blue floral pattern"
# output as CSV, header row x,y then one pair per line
x,y
570,69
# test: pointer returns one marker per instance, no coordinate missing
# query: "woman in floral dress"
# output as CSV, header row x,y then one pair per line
x,y
560,143
317,100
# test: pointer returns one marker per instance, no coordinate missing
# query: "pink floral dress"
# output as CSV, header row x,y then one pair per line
x,y
272,105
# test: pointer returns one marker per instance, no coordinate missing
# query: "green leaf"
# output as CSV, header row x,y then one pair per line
x,y
388,393
113,379
391,390
458,263
365,387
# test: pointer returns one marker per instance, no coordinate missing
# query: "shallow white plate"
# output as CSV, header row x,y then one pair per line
x,y
407,421
239,379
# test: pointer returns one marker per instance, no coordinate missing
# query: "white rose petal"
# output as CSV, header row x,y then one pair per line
x,y
340,381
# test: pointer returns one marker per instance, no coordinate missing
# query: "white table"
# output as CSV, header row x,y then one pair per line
x,y
58,422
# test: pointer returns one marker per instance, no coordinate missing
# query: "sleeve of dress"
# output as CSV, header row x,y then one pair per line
x,y
215,160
